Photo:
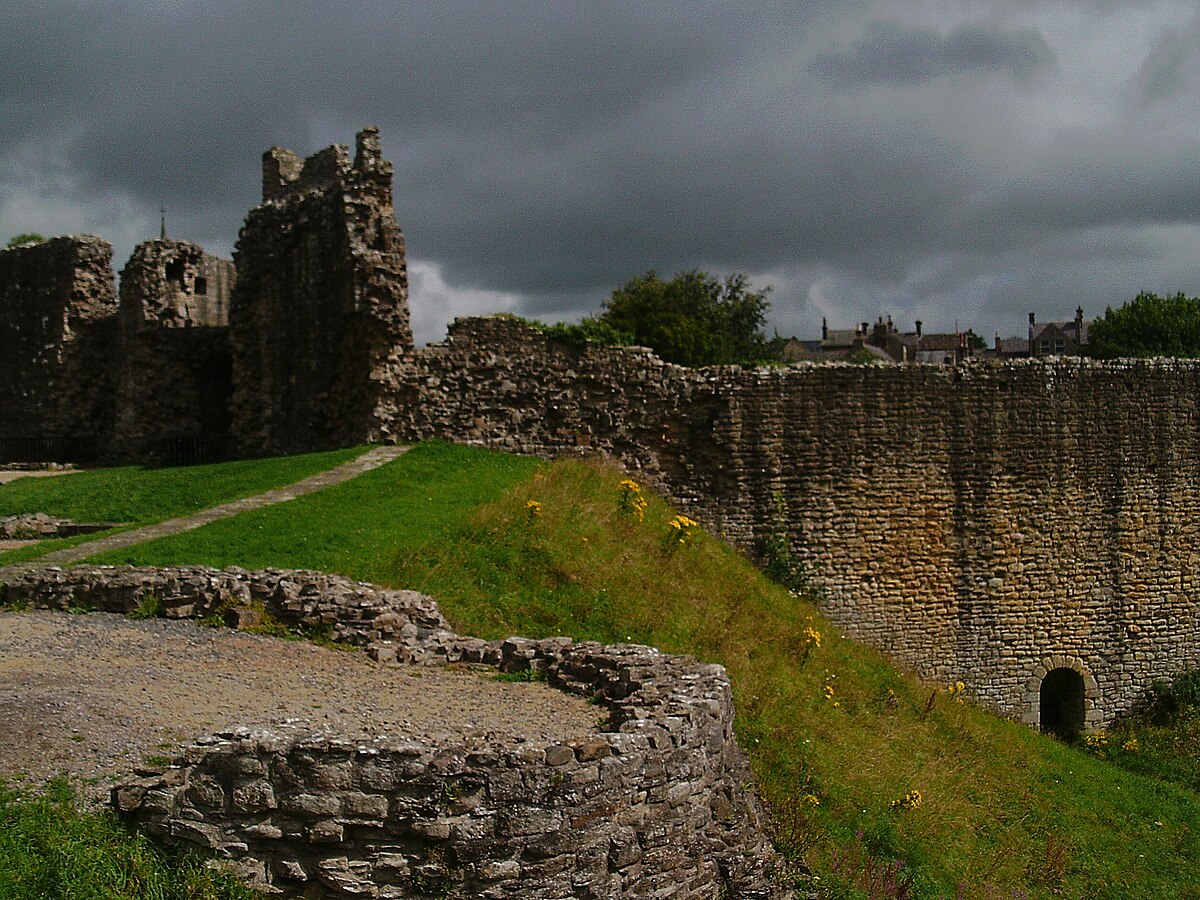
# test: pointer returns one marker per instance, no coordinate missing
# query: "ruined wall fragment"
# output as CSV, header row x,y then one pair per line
x,y
57,324
174,381
657,800
319,316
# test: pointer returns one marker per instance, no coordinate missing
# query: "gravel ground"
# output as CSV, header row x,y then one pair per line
x,y
91,696
7,475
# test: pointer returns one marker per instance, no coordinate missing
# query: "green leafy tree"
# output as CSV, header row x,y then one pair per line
x,y
1148,325
694,319
31,237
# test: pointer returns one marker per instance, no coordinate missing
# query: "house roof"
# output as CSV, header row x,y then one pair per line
x,y
941,342
1064,330
840,338
1013,346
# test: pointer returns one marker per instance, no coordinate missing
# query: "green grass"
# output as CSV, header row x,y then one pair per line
x,y
139,496
834,732
50,849
1160,743
353,527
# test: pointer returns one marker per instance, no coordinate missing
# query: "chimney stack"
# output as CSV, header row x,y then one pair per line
x,y
824,329
918,328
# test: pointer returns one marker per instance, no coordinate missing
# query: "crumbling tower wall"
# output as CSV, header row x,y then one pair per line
x,y
175,370
57,323
319,315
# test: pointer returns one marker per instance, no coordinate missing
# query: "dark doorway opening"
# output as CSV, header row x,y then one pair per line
x,y
1062,703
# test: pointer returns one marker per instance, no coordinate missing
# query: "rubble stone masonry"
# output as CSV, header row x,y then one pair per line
x,y
57,301
174,372
988,523
658,801
320,311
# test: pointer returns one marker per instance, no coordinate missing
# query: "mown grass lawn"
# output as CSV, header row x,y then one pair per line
x,y
837,737
140,496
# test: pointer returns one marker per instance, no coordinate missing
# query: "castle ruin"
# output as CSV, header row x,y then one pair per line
x,y
1026,527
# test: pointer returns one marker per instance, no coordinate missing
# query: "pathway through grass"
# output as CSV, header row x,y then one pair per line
x,y
140,496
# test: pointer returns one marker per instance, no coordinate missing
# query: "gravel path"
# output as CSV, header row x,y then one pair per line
x,y
92,696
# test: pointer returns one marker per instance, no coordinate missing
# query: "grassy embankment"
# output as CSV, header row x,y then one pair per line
x,y
838,737
136,496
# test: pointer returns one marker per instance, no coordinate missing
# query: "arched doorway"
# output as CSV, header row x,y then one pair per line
x,y
1061,703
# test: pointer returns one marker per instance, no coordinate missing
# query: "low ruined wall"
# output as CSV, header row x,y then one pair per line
x,y
987,523
656,802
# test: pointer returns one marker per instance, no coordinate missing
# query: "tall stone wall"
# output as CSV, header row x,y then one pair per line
x,y
174,368
657,801
319,316
57,307
989,523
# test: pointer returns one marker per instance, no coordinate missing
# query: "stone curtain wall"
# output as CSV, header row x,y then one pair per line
x,y
57,300
984,524
319,314
656,802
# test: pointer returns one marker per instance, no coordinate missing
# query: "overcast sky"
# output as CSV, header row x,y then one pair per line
x,y
957,162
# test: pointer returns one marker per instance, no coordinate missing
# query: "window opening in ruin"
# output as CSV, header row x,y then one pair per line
x,y
175,273
1062,703
201,285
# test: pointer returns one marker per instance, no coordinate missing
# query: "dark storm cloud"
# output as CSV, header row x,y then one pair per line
x,y
863,155
892,53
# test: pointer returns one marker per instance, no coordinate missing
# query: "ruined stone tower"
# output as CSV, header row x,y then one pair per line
x,y
57,302
174,369
319,315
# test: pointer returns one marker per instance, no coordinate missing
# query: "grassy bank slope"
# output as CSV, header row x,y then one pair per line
x,y
862,766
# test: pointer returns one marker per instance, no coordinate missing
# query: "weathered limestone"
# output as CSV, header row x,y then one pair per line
x,y
657,802
175,370
57,301
969,522
320,312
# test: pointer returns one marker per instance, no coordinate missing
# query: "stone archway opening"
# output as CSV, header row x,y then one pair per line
x,y
1062,703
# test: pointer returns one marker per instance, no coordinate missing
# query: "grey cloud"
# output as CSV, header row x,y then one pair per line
x,y
545,153
1172,66
893,53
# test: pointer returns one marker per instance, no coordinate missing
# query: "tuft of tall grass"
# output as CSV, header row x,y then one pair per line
x,y
50,848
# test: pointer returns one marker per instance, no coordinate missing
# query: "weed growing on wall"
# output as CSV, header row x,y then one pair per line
x,y
150,607
449,521
780,565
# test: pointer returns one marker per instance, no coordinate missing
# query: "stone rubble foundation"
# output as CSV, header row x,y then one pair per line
x,y
657,802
